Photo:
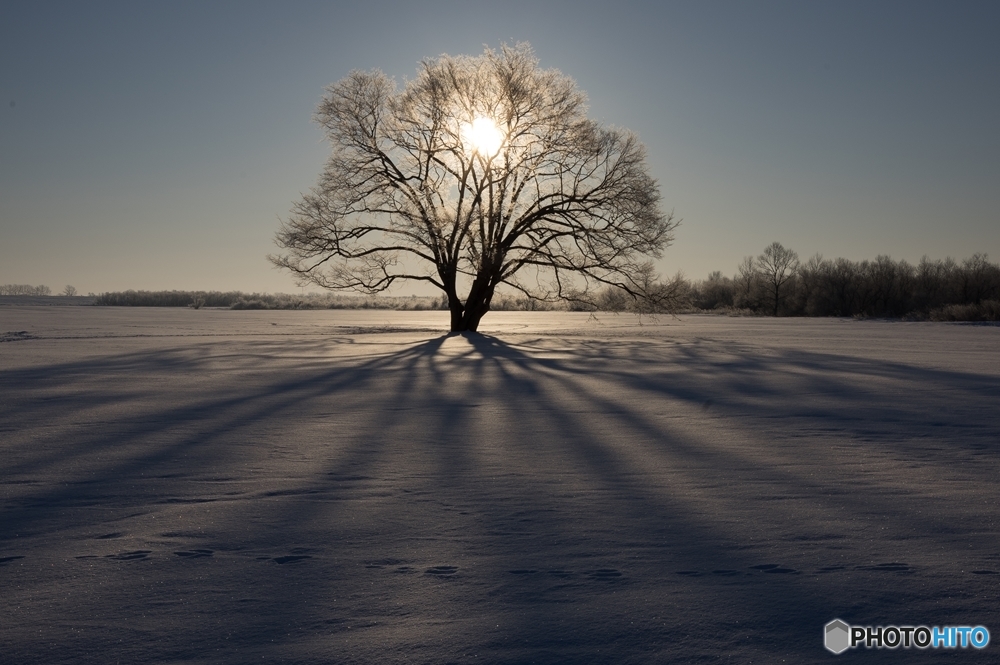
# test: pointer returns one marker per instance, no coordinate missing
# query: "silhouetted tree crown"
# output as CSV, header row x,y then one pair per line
x,y
776,266
482,171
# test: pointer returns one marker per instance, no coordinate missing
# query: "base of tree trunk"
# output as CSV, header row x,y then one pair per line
x,y
466,318
463,325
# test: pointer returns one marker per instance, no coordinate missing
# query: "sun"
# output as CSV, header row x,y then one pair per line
x,y
483,135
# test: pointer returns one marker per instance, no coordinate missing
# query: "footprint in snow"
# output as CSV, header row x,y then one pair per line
x,y
382,563
442,571
774,568
15,336
291,558
129,556
893,567
604,574
194,554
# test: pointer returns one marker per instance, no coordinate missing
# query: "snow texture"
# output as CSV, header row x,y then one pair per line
x,y
209,486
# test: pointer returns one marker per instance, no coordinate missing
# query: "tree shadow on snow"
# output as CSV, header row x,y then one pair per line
x,y
544,501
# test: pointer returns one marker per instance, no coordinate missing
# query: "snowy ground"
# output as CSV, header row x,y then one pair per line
x,y
183,486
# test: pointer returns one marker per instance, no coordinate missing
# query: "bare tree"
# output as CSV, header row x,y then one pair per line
x,y
24,290
777,266
69,290
747,281
716,291
812,296
481,171
978,278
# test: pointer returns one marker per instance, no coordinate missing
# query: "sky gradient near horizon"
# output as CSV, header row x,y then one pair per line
x,y
156,145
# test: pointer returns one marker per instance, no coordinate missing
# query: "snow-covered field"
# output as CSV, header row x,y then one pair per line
x,y
198,486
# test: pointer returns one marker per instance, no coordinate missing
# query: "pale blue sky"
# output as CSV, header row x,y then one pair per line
x,y
156,145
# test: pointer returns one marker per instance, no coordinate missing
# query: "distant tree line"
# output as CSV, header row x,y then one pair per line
x,y
240,300
776,283
24,290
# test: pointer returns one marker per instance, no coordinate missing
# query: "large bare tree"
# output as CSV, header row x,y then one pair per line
x,y
777,266
481,171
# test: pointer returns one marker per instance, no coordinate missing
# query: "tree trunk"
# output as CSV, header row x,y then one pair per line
x,y
473,317
455,306
457,310
476,306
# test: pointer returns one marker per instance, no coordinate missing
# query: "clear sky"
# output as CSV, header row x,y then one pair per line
x,y
155,145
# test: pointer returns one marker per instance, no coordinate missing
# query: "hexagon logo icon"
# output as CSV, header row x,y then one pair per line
x,y
837,636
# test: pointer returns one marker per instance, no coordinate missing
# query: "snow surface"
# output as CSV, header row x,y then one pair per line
x,y
211,486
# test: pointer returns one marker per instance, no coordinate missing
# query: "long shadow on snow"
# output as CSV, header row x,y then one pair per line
x,y
602,503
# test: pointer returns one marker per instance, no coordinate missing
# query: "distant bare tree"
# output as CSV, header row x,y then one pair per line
x,y
69,290
932,282
978,279
481,171
716,291
777,266
746,283
24,290
613,299
659,295
891,284
812,297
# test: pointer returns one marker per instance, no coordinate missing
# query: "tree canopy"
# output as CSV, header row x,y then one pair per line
x,y
482,171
